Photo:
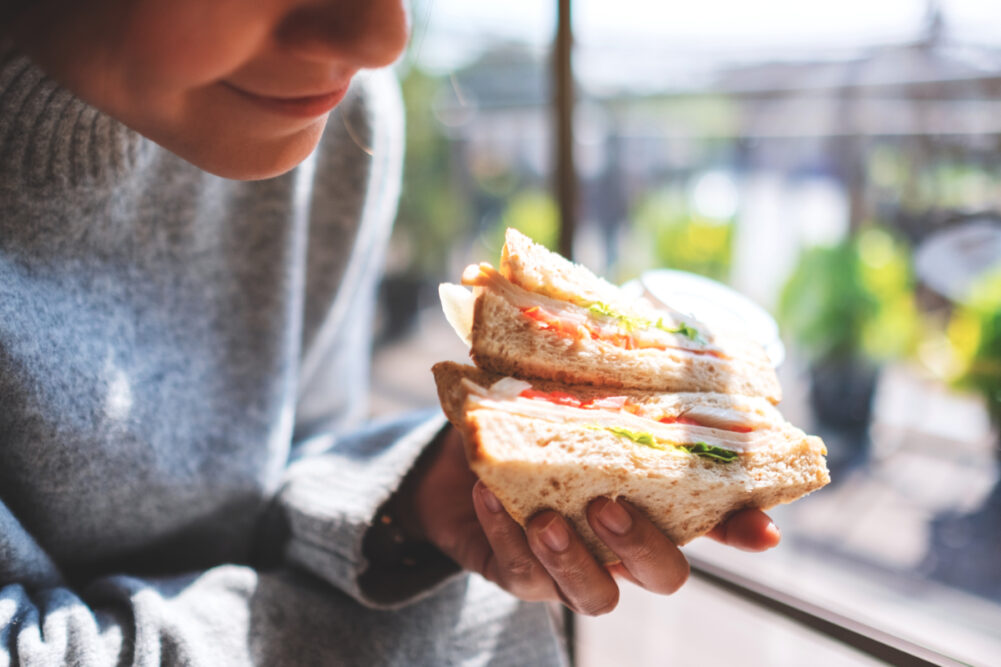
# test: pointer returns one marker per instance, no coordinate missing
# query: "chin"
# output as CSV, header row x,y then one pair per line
x,y
243,159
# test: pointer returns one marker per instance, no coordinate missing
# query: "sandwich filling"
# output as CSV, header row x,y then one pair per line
x,y
595,320
712,432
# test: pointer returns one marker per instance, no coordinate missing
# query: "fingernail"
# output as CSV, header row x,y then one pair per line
x,y
773,531
490,500
555,536
614,517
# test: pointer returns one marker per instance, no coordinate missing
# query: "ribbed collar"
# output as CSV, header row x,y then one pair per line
x,y
50,137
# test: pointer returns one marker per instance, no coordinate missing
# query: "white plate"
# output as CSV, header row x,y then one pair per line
x,y
951,261
713,303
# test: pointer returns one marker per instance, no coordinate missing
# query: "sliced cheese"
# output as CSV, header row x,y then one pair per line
x,y
457,303
675,433
725,418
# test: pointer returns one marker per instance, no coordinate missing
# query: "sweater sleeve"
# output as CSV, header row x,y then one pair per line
x,y
335,488
196,619
331,499
202,618
234,616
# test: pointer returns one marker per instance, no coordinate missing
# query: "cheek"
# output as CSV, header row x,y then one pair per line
x,y
217,131
188,43
227,152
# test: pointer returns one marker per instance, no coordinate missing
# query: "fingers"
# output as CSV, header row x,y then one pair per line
x,y
748,530
545,561
583,584
510,563
649,557
619,571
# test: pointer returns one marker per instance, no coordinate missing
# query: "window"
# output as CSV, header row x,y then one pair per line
x,y
841,166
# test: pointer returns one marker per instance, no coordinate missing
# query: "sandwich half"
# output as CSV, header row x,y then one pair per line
x,y
542,316
687,460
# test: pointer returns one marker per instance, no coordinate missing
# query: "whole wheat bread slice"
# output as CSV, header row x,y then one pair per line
x,y
533,464
505,341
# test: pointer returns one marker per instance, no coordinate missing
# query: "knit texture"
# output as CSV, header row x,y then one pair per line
x,y
168,342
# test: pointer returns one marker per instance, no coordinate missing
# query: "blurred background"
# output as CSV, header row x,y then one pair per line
x,y
840,164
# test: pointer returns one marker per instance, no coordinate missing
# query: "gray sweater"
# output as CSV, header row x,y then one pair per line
x,y
184,474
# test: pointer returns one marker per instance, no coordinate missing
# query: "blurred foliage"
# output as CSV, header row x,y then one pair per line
x,y
494,177
432,213
974,332
905,179
887,168
852,299
706,115
672,235
961,186
533,213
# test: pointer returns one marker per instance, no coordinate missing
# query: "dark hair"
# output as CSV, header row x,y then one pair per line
x,y
15,15
10,11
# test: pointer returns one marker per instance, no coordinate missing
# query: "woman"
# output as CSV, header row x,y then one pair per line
x,y
194,203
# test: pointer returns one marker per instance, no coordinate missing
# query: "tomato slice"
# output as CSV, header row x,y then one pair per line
x,y
611,403
692,422
608,403
553,323
557,397
576,331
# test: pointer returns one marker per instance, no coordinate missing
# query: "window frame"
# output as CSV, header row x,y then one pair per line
x,y
861,637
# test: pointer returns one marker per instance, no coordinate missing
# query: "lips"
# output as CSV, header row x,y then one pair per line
x,y
308,106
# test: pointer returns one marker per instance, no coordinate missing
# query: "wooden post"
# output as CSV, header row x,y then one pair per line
x,y
565,184
565,172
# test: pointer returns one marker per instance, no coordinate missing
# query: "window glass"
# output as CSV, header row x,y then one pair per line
x,y
838,163
476,86
841,165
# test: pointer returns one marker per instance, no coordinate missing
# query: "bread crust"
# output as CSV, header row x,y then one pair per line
x,y
532,465
535,268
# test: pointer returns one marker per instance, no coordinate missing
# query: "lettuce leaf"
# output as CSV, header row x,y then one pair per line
x,y
711,452
685,330
634,323
639,438
628,323
702,449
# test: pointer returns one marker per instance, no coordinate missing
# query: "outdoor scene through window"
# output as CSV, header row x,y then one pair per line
x,y
841,166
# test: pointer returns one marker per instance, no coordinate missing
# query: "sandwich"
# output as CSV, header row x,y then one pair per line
x,y
542,316
582,390
686,459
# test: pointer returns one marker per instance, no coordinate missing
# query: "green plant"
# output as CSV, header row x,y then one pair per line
x,y
432,213
675,236
854,299
533,213
974,332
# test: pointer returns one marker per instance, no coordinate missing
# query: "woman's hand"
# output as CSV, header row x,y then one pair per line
x,y
547,559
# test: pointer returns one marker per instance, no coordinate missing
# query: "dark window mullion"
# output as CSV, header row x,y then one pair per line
x,y
565,174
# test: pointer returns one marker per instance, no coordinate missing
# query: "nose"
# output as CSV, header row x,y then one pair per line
x,y
362,33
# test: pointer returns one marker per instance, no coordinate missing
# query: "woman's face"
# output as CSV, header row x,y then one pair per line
x,y
240,88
